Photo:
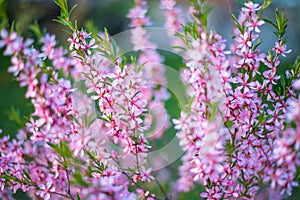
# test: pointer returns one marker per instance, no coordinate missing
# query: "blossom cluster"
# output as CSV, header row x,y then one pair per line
x,y
235,129
96,111
173,19
153,69
29,159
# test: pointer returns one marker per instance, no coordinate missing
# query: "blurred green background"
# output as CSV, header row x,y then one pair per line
x,y
111,14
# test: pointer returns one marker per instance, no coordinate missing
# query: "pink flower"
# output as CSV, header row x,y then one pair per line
x,y
137,12
180,124
142,193
138,15
7,39
296,84
251,7
45,190
49,43
2,183
281,49
74,42
145,175
211,194
89,45
134,119
17,66
254,24
167,4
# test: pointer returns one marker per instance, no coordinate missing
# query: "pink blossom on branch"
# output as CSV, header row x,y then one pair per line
x,y
239,130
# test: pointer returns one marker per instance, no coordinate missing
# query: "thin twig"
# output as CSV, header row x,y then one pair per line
x,y
69,184
63,195
136,184
160,187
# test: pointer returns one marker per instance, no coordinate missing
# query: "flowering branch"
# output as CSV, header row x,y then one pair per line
x,y
87,137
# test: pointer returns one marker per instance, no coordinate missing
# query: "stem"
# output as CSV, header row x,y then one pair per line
x,y
137,158
27,164
69,184
136,184
143,188
63,195
160,187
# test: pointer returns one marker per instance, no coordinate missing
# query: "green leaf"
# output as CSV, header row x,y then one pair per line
x,y
123,63
65,150
3,24
230,148
74,119
53,146
3,11
270,22
259,41
229,124
28,158
62,149
78,197
212,110
15,115
72,9
243,176
35,28
90,155
179,47
281,24
264,6
106,35
64,17
27,175
63,4
114,48
202,9
90,27
78,179
238,25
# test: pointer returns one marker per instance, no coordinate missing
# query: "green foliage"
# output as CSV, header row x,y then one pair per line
x,y
26,175
285,83
62,149
78,196
65,14
3,11
90,27
213,109
280,25
98,165
78,179
202,9
15,116
68,161
264,6
35,28
63,4
241,27
108,47
190,31
296,67
193,194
